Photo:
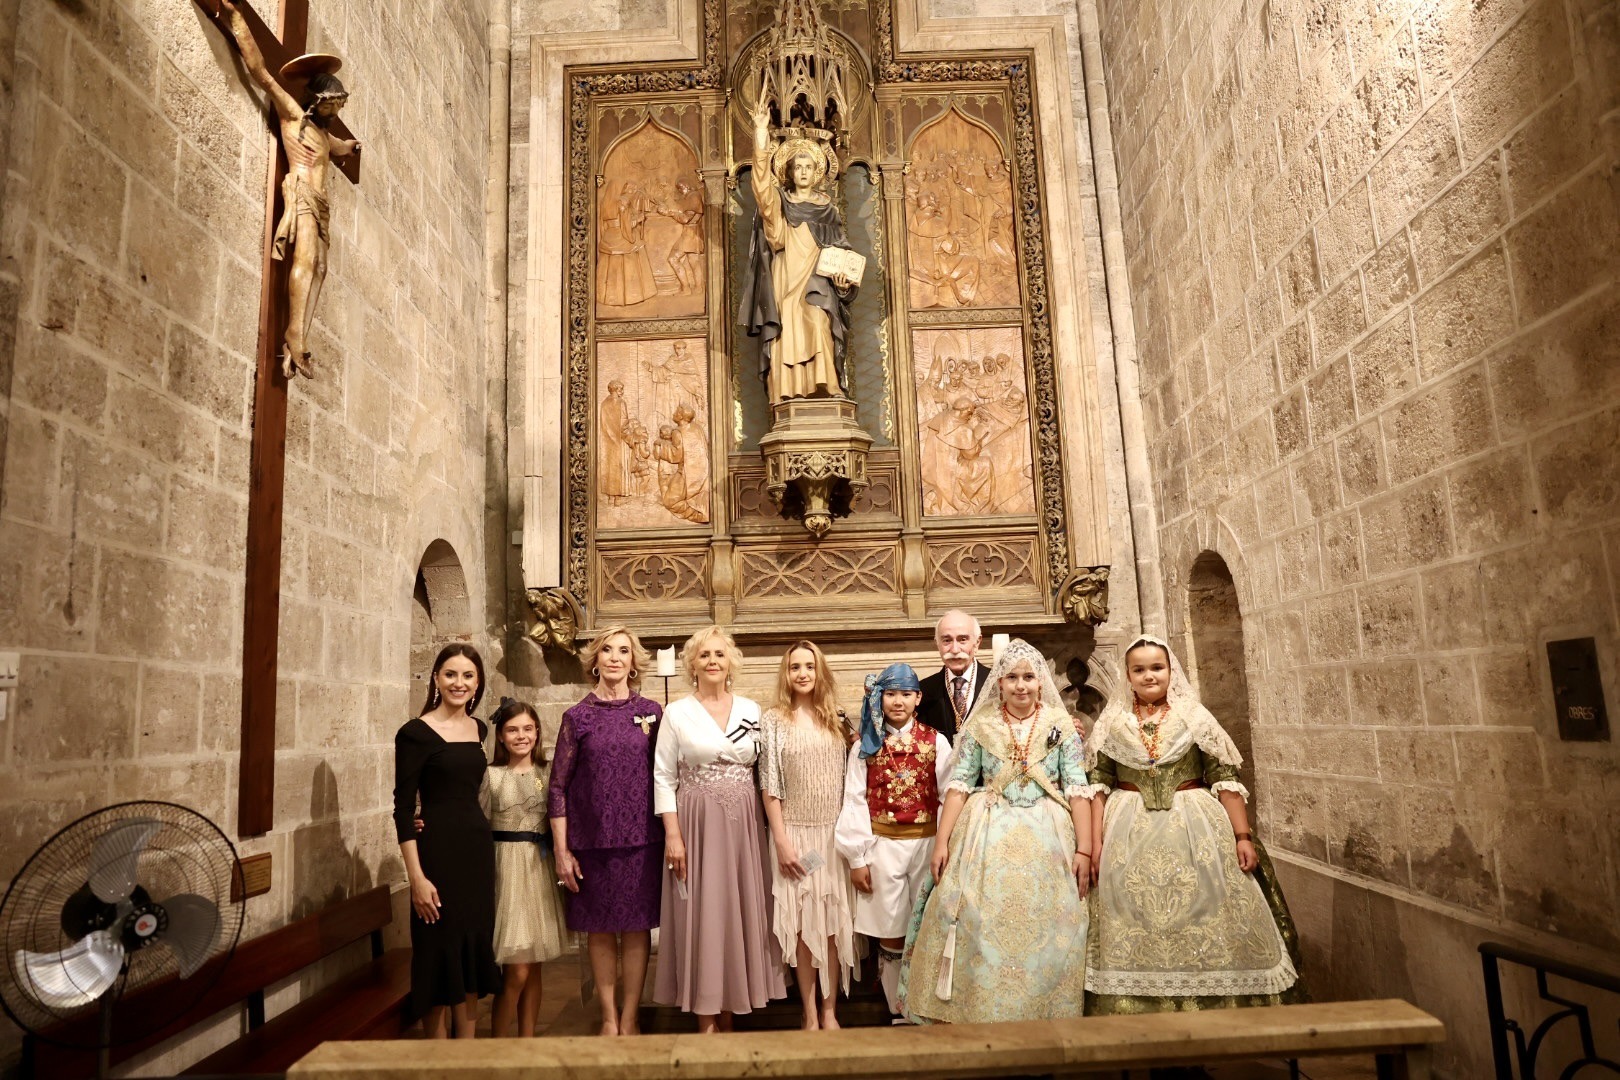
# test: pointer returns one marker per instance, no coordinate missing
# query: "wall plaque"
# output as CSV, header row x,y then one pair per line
x,y
1578,690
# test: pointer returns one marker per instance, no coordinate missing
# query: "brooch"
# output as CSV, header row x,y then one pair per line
x,y
645,723
1052,739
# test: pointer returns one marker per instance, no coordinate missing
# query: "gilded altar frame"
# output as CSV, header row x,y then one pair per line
x,y
888,567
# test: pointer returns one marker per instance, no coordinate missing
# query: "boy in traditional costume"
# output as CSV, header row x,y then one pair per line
x,y
891,810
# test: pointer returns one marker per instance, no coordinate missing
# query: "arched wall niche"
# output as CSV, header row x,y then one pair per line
x,y
1215,625
441,609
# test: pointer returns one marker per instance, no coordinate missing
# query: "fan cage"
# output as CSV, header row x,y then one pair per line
x,y
188,854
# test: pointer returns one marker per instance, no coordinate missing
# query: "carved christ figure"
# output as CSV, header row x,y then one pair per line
x,y
304,227
802,316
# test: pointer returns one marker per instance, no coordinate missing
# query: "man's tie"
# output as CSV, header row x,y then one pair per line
x,y
959,695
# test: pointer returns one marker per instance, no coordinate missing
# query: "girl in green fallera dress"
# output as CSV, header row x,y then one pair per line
x,y
1185,913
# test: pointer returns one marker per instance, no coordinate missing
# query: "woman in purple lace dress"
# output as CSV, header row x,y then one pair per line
x,y
609,844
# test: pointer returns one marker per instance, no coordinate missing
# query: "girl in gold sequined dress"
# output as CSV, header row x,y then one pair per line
x,y
529,924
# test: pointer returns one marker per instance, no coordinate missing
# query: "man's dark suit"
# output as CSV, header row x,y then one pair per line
x,y
936,709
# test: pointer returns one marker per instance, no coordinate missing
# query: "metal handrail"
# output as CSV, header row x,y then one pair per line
x,y
1510,1044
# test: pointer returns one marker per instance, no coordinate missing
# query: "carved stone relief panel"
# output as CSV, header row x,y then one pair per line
x,y
973,418
959,218
652,433
821,571
650,260
981,563
658,578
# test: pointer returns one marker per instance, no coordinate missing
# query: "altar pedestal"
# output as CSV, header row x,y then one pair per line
x,y
815,460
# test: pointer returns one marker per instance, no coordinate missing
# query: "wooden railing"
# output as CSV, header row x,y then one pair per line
x,y
1398,1034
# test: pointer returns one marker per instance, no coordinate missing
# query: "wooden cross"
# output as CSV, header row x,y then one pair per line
x,y
256,771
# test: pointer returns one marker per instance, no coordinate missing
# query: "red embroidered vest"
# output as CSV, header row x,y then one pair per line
x,y
902,788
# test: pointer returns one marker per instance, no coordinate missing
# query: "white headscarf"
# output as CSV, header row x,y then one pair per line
x,y
1187,721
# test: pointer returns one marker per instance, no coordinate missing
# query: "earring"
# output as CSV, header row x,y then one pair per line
x,y
595,673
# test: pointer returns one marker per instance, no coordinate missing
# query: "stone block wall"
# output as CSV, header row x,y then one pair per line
x,y
1374,251
129,290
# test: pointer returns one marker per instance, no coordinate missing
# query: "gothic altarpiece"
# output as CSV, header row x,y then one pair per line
x,y
946,486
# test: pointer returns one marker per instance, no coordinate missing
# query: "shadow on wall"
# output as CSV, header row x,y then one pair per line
x,y
1362,943
326,866
1218,657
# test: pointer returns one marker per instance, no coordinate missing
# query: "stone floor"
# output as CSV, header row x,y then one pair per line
x,y
562,1012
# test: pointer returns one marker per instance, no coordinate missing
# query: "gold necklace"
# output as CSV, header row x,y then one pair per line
x,y
1012,736
1150,729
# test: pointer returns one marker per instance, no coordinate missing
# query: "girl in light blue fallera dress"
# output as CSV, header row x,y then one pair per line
x,y
1001,934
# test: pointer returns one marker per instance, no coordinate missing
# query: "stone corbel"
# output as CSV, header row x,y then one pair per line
x,y
715,185
893,177
558,617
818,475
815,460
1083,596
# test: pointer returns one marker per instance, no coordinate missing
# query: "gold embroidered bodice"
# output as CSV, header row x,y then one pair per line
x,y
1159,789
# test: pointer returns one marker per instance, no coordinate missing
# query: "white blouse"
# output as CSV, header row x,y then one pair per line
x,y
853,833
689,738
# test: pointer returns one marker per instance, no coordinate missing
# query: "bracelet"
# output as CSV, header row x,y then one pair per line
x,y
1245,836
1087,854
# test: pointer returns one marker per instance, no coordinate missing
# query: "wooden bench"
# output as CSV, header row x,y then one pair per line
x,y
368,1003
1398,1033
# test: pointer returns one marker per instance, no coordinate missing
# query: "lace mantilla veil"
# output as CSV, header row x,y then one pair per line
x,y
1188,721
985,719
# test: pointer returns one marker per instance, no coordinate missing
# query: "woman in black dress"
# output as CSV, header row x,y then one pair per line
x,y
451,865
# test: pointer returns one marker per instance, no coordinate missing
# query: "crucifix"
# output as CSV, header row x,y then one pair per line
x,y
311,138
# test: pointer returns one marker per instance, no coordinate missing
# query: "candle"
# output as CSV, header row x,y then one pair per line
x,y
998,645
666,663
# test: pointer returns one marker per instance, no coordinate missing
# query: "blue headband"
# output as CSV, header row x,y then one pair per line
x,y
894,677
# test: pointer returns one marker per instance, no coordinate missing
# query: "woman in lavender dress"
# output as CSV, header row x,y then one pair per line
x,y
717,953
609,844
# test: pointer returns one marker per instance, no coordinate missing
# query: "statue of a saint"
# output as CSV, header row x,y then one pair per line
x,y
304,227
801,315
616,455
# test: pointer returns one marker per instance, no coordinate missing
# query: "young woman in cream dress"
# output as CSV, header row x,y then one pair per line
x,y
803,744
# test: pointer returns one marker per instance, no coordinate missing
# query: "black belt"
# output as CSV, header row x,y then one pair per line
x,y
502,836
